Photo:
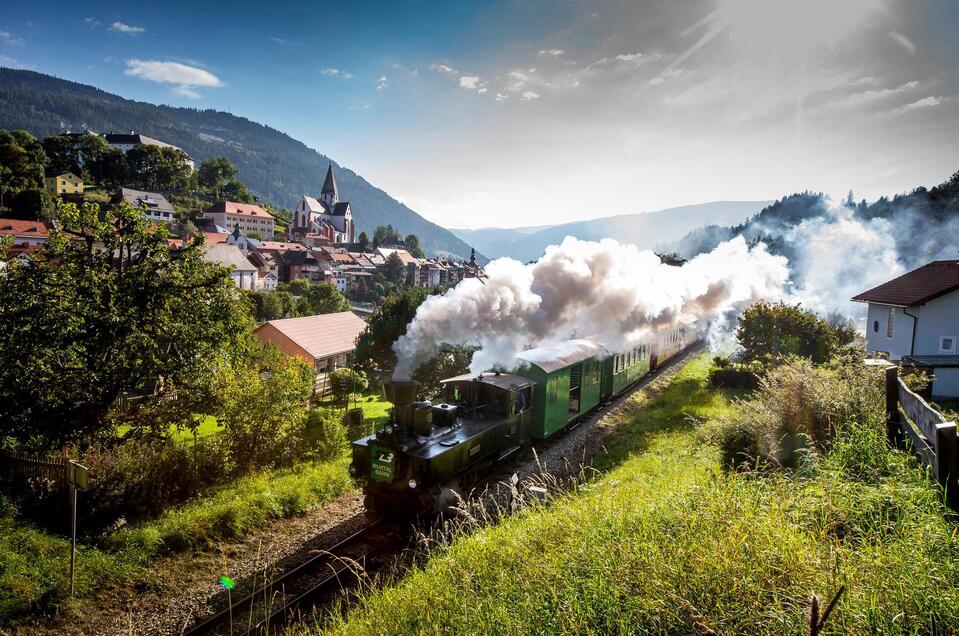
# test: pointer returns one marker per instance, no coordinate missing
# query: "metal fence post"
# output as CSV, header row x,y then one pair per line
x,y
893,424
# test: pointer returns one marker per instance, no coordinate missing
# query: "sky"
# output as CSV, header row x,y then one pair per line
x,y
531,112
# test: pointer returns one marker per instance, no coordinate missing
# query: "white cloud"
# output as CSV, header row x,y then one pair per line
x,y
126,28
92,21
337,72
184,78
925,102
502,97
9,62
469,82
10,39
362,106
904,42
482,90
445,69
551,52
529,96
382,83
629,57
867,97
667,75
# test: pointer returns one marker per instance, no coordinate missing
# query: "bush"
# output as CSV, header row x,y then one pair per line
x,y
772,332
324,433
798,409
733,377
345,382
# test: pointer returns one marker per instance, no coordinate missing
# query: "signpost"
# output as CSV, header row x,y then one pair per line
x,y
77,477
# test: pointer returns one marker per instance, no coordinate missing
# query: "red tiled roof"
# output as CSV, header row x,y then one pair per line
x,y
241,209
212,238
916,287
17,227
281,246
324,335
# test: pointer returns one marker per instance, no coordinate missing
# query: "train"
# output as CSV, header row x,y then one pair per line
x,y
427,455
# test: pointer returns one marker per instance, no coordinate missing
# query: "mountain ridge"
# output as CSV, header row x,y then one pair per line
x,y
274,165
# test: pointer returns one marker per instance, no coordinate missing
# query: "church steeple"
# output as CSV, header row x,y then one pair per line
x,y
329,194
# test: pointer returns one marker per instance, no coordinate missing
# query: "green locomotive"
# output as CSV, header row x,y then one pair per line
x,y
427,451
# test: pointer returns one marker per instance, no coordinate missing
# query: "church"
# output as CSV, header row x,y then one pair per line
x,y
326,218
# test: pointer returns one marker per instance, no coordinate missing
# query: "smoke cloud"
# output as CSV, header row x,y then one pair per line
x,y
615,294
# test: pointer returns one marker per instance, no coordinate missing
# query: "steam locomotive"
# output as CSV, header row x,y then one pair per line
x,y
427,452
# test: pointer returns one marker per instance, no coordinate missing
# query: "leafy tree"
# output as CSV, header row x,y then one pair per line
x,y
374,348
159,168
364,242
324,298
412,243
31,205
394,270
215,173
109,168
76,154
771,332
345,382
22,162
106,309
386,235
263,412
235,190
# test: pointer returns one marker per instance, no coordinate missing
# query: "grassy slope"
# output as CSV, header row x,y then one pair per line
x,y
666,543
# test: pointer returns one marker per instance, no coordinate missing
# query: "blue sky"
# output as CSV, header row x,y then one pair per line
x,y
526,112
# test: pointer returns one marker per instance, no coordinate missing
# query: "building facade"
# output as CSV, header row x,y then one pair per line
x,y
154,205
66,183
245,216
326,216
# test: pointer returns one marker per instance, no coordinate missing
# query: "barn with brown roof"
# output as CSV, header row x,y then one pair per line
x,y
324,342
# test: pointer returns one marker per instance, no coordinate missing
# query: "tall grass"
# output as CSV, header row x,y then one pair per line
x,y
668,542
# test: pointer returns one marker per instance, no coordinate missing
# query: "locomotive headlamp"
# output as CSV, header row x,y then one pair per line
x,y
412,483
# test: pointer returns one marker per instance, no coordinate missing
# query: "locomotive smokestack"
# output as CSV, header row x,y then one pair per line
x,y
400,392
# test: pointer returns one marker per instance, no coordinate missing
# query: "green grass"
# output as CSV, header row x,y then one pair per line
x,y
233,510
665,542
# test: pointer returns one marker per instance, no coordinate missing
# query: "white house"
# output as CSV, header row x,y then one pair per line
x,y
914,319
244,273
267,281
245,216
154,205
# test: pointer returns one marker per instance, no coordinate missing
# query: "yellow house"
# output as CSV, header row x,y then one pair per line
x,y
66,183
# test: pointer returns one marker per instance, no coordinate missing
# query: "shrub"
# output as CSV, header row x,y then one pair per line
x,y
799,408
345,382
324,433
771,332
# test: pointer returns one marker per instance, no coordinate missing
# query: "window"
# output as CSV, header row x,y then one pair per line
x,y
875,326
947,344
890,322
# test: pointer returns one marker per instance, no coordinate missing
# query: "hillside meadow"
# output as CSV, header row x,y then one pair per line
x,y
665,541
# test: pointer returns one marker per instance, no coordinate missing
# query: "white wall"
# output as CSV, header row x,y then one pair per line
x,y
946,384
938,318
901,340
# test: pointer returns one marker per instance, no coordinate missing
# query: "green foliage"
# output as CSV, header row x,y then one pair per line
x,y
262,407
345,382
386,236
21,163
214,173
325,433
771,332
799,409
394,270
235,510
364,242
108,309
236,190
666,544
158,168
83,155
31,205
298,298
412,243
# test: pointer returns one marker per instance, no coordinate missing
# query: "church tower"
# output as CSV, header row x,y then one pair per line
x,y
329,195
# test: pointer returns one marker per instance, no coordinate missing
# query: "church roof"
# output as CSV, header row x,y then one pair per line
x,y
313,205
341,208
329,184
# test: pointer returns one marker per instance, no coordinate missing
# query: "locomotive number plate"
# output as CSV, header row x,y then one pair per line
x,y
382,463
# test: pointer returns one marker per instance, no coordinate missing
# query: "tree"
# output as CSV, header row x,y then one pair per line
x,y
771,332
412,243
235,190
263,412
31,205
324,298
344,383
106,308
364,242
109,168
215,173
374,348
22,163
159,168
74,153
394,270
385,236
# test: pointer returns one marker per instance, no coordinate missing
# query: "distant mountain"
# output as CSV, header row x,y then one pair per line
x,y
646,230
276,167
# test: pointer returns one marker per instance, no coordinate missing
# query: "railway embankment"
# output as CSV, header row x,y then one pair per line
x,y
664,539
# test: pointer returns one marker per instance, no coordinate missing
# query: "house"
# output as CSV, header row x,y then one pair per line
x,y
914,320
326,216
66,183
27,235
324,342
244,273
266,281
245,216
154,205
125,142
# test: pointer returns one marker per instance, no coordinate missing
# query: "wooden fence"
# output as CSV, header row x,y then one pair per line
x,y
19,471
911,422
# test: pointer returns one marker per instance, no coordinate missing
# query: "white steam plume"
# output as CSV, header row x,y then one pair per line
x,y
604,290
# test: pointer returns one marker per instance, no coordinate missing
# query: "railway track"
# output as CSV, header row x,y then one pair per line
x,y
314,582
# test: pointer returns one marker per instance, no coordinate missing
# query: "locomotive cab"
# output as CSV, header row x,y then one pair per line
x,y
425,448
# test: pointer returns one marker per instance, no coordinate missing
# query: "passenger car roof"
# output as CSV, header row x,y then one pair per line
x,y
501,380
553,357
